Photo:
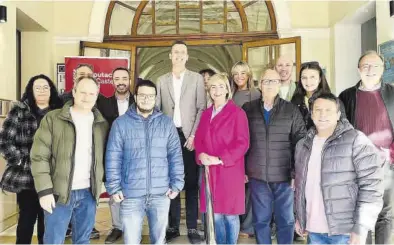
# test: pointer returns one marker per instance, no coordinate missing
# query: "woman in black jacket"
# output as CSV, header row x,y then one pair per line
x,y
16,139
311,83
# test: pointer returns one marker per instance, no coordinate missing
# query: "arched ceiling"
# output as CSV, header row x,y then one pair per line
x,y
154,62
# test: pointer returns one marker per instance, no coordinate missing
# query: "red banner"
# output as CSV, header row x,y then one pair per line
x,y
102,71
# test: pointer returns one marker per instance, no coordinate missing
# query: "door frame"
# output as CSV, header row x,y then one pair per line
x,y
246,42
270,42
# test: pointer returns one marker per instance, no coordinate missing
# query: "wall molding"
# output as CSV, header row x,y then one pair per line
x,y
76,39
311,33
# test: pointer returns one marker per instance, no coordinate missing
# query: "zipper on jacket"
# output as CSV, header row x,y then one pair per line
x,y
148,173
72,163
303,196
267,124
93,167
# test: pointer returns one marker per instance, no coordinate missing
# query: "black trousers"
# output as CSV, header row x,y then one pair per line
x,y
29,211
191,189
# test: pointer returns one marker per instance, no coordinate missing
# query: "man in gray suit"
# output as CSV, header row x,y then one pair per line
x,y
181,95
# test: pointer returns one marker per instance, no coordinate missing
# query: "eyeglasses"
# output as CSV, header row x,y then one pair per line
x,y
146,96
39,89
268,81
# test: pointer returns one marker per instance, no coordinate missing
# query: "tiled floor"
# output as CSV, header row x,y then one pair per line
x,y
103,224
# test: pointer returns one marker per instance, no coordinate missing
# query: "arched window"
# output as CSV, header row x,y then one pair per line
x,y
158,17
218,34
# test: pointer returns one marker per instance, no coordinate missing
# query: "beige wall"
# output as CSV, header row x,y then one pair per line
x,y
71,18
384,23
37,49
340,9
8,55
309,14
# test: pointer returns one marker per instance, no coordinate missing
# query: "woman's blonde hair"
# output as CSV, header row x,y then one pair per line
x,y
244,66
223,78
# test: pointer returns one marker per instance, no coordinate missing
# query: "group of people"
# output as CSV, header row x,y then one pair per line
x,y
286,153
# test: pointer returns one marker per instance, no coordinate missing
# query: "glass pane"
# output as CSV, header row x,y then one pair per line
x,y
131,4
189,20
190,4
213,28
121,20
213,10
145,25
165,30
257,15
165,12
96,52
119,53
261,58
234,23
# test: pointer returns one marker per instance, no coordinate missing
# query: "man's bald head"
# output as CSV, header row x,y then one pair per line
x,y
284,66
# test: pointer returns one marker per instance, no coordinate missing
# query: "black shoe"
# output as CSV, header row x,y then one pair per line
x,y
68,233
298,238
171,234
115,235
95,234
273,231
194,237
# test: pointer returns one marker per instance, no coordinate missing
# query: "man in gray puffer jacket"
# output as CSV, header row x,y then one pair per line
x,y
339,179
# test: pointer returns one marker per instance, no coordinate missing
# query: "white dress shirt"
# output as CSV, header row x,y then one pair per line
x,y
123,105
177,84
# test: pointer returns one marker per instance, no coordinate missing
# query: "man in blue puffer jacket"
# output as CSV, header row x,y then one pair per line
x,y
144,166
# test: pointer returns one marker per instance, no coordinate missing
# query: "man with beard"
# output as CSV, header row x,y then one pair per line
x,y
284,66
112,108
82,70
181,95
144,166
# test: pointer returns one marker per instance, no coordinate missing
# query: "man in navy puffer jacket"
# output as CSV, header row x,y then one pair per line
x,y
144,166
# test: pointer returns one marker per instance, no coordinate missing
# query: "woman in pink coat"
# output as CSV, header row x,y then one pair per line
x,y
221,142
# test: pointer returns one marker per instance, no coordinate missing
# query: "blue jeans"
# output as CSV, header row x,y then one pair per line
x,y
80,209
226,228
133,211
278,197
324,238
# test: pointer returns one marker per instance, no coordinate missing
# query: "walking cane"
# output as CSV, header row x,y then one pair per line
x,y
209,218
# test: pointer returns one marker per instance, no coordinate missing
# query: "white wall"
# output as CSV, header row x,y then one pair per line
x,y
347,41
347,45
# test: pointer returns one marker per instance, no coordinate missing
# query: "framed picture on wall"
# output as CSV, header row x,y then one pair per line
x,y
61,77
387,51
